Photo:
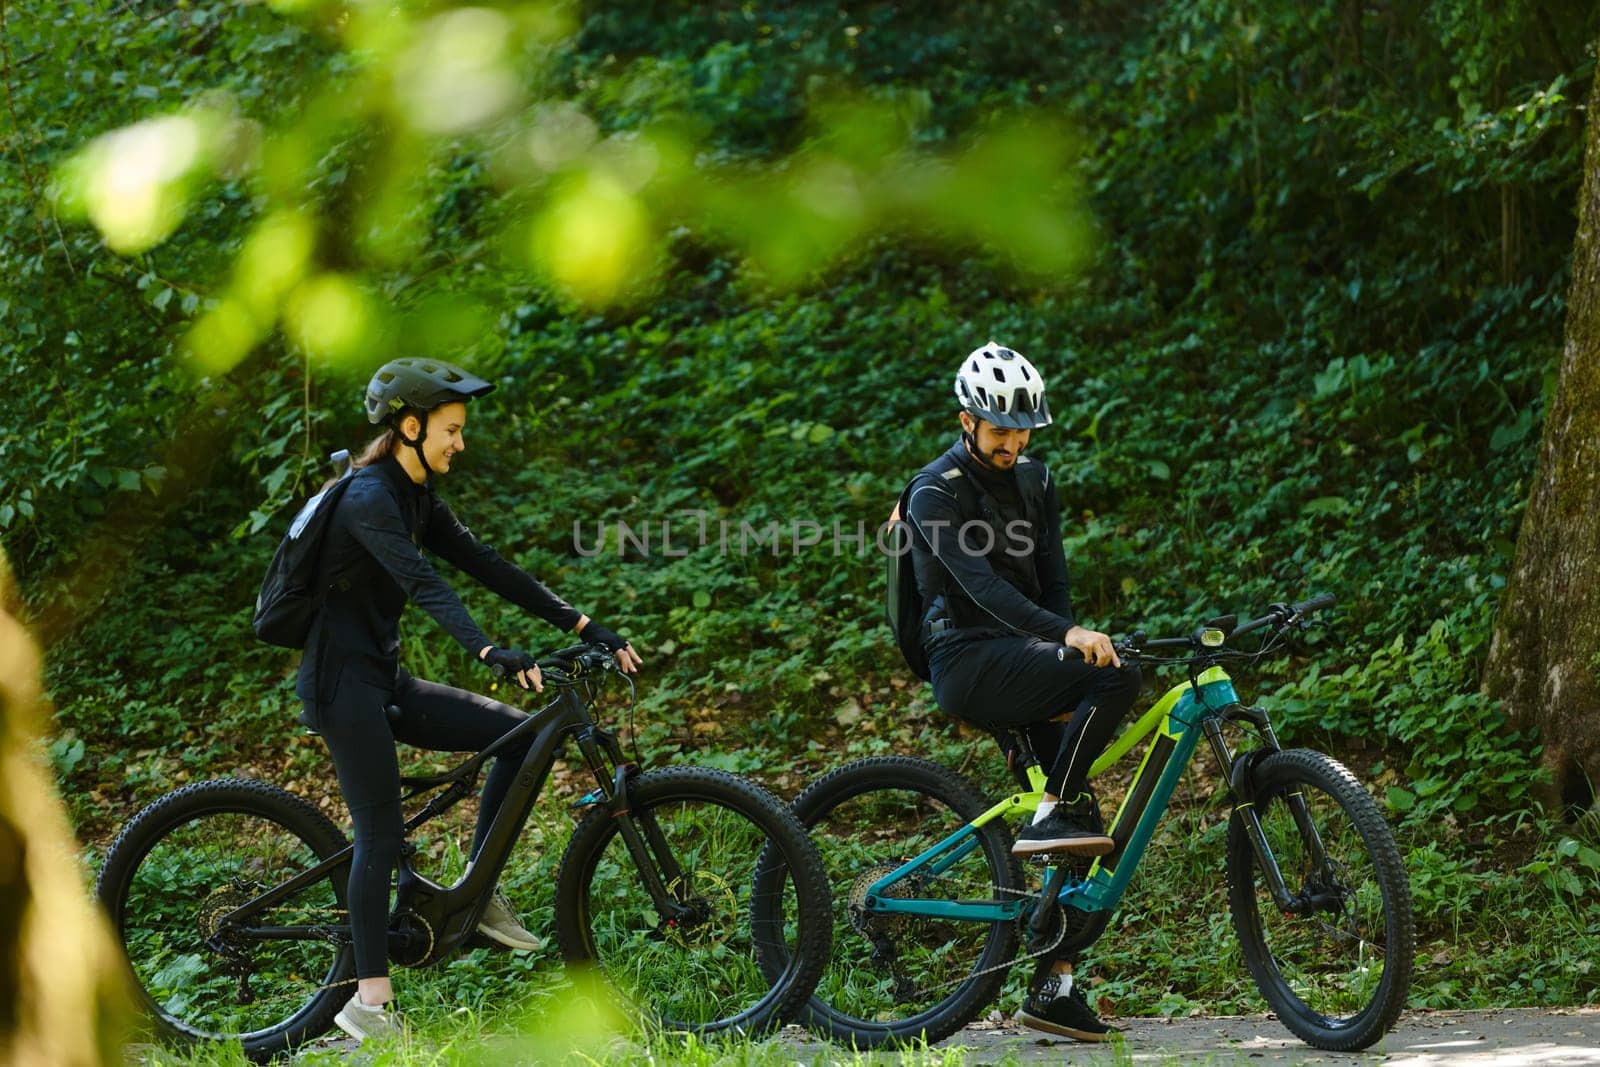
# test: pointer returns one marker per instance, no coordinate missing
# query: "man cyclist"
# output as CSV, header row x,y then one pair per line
x,y
1004,647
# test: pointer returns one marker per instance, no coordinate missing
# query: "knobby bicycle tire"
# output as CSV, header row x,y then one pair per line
x,y
189,858
1315,966
700,974
917,803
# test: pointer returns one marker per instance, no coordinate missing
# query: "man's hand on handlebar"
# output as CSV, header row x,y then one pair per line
x,y
1094,645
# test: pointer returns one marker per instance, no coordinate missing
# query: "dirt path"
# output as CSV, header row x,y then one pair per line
x,y
1518,1037
1513,1037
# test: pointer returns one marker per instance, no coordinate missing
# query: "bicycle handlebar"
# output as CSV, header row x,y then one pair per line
x,y
557,665
1284,614
1280,616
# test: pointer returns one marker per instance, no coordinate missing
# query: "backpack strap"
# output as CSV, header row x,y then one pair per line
x,y
1032,479
955,479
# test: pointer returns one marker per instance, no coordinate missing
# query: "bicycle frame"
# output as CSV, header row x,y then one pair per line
x,y
1178,720
431,920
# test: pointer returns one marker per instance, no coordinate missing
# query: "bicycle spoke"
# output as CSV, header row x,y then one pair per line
x,y
895,976
698,965
1333,959
198,970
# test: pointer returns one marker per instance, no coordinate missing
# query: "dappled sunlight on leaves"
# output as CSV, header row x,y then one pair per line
x,y
330,316
593,239
134,184
593,209
456,72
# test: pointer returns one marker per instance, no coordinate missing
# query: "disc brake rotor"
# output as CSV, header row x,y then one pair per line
x,y
706,897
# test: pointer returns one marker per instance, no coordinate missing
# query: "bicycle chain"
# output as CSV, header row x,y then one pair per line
x,y
340,913
1004,965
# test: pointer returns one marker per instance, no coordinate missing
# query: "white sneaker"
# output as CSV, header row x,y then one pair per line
x,y
367,1023
500,924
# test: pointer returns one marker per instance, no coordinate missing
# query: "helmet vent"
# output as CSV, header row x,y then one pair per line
x,y
1000,404
999,375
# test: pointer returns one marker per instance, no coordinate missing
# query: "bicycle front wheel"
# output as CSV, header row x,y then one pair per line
x,y
171,879
1334,961
692,962
897,978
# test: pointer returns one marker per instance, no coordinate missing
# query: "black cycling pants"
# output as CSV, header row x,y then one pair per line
x,y
1024,682
356,728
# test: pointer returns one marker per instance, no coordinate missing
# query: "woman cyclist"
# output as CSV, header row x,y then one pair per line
x,y
371,563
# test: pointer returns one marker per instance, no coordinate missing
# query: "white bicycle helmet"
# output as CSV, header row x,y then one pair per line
x,y
1000,387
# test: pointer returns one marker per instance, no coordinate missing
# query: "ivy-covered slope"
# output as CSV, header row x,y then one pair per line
x,y
1309,355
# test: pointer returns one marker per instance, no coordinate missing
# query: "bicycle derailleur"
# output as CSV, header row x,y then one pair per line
x,y
878,927
223,939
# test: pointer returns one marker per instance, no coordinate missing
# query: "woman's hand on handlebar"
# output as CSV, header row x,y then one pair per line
x,y
1095,646
628,661
518,664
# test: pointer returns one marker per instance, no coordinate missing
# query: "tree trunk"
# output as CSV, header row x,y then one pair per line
x,y
60,977
1545,656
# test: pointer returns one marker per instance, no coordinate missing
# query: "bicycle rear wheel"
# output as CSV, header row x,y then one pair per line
x,y
1336,965
698,970
894,979
171,878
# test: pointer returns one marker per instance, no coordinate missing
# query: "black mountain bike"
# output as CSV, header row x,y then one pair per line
x,y
228,896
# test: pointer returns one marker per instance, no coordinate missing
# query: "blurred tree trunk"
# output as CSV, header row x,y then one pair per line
x,y
1545,656
61,998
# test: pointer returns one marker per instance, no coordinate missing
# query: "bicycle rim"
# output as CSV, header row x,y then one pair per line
x,y
1336,965
199,977
698,971
898,977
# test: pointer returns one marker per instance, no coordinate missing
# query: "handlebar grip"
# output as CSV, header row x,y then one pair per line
x,y
1316,603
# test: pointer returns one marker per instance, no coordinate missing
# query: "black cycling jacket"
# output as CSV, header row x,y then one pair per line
x,y
371,563
975,590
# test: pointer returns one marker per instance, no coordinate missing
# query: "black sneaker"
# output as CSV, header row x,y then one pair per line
x,y
1070,828
1068,1016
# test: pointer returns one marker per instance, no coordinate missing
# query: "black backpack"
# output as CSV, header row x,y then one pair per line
x,y
287,603
903,605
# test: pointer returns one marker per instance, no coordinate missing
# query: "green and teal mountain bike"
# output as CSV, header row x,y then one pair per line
x,y
930,907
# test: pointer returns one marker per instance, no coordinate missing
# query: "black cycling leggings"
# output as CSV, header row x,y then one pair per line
x,y
356,728
1022,683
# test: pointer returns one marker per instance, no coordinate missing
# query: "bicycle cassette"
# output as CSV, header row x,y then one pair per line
x,y
877,922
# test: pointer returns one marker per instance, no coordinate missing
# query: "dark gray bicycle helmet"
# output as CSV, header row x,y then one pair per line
x,y
422,384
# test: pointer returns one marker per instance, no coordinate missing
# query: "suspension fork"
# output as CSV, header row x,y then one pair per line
x,y
1240,773
651,854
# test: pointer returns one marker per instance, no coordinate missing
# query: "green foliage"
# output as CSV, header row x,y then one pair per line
x,y
1310,352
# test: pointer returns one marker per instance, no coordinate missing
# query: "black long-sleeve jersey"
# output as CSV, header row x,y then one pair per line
x,y
372,562
982,585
